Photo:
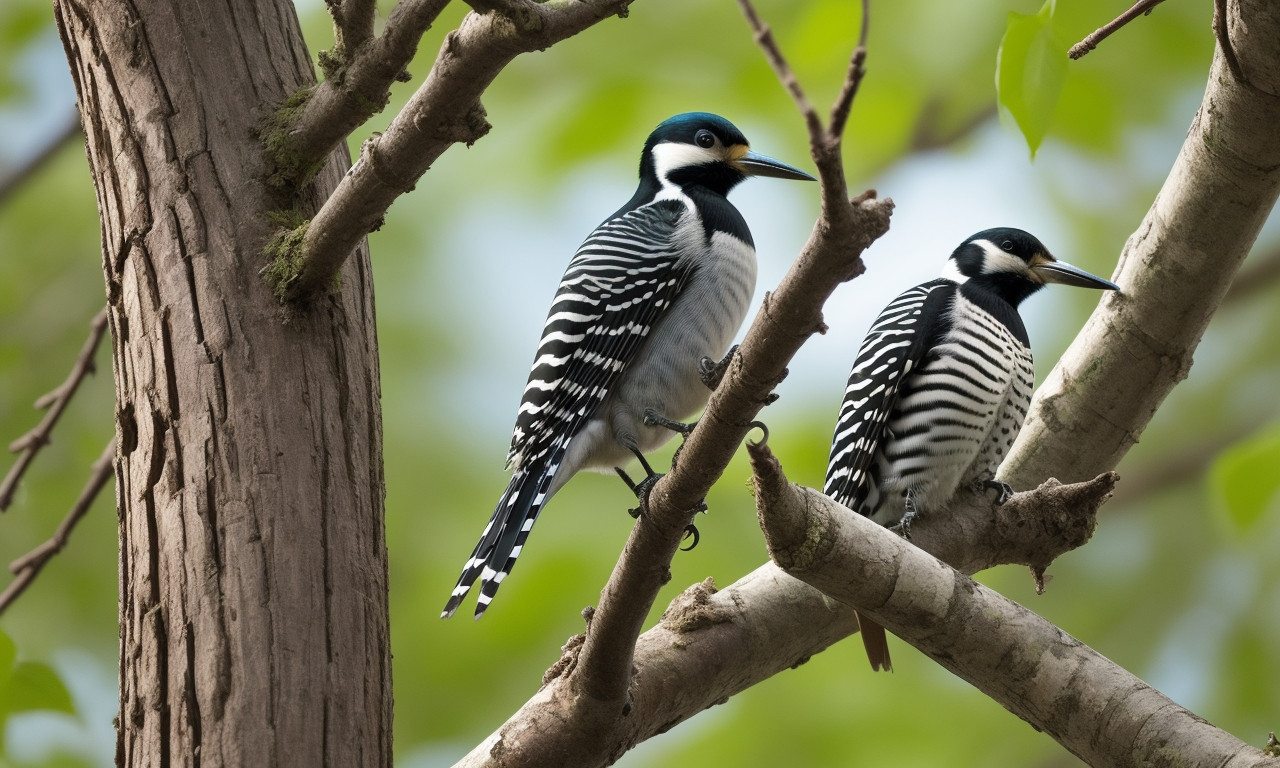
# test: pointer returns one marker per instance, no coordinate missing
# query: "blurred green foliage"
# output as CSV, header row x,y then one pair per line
x,y
27,686
1167,589
1244,480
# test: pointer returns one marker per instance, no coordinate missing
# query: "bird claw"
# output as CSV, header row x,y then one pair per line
x,y
692,530
1004,490
903,528
640,489
654,419
711,372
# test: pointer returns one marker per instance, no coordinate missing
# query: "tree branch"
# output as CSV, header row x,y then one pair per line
x,y
56,401
1140,8
1174,273
352,28
357,86
444,111
26,568
1097,710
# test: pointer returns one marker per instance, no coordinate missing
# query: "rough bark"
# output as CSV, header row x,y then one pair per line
x,y
253,606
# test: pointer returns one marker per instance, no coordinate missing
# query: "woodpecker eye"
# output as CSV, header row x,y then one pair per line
x,y
705,139
1007,245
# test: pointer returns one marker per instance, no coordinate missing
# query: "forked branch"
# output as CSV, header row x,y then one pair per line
x,y
26,568
55,402
445,110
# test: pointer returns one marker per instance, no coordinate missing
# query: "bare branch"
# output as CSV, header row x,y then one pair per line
x,y
1101,713
773,54
26,568
357,85
1140,8
14,180
852,79
56,401
444,111
352,26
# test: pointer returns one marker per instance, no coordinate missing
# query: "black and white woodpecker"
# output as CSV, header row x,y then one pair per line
x,y
662,283
941,386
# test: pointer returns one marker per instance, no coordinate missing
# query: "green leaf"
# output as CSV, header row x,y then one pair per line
x,y
1031,68
1244,481
36,686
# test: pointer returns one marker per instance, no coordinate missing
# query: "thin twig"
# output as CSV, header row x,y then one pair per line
x,y
852,79
14,180
56,401
1140,8
26,568
764,38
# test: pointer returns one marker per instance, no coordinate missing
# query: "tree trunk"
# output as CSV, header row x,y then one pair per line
x,y
253,571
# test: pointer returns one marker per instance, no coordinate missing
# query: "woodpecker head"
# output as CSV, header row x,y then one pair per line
x,y
702,149
1014,264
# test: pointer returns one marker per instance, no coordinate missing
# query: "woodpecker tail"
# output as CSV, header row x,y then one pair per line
x,y
503,538
877,645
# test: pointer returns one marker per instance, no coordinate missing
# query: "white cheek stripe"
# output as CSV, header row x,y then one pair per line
x,y
670,156
998,260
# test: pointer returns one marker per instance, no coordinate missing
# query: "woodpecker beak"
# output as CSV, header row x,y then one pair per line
x,y
756,164
1052,271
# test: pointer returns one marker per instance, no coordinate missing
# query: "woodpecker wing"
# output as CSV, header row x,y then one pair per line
x,y
895,345
619,283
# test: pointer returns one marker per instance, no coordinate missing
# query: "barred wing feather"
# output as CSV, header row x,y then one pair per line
x,y
619,283
894,346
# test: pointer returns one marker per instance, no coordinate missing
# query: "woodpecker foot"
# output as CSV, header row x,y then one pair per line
x,y
654,419
692,530
711,372
1003,491
903,528
642,488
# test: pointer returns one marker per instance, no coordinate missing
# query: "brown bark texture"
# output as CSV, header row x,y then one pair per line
x,y
253,604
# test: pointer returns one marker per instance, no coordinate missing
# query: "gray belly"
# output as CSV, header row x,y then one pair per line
x,y
663,375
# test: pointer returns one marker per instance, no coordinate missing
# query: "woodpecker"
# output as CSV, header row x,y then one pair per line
x,y
941,386
662,283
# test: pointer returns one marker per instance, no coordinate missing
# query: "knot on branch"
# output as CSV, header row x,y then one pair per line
x,y
870,218
693,609
468,129
568,659
1042,524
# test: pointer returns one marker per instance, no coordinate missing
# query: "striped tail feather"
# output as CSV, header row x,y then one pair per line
x,y
508,529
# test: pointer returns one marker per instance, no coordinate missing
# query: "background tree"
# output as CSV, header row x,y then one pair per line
x,y
1123,113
